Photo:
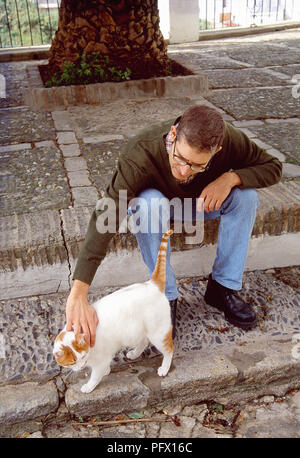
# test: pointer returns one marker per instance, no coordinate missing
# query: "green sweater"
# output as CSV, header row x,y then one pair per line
x,y
144,163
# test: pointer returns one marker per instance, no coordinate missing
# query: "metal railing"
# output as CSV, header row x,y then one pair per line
x,y
34,22
215,14
27,22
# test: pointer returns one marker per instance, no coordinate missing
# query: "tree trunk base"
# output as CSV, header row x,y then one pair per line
x,y
127,31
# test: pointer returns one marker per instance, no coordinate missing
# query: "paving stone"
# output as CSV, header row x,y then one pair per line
x,y
125,432
285,120
104,119
291,170
169,430
24,126
79,178
61,431
197,411
199,62
66,138
208,433
27,401
254,103
102,138
289,70
284,136
32,179
17,147
85,196
70,150
278,78
249,77
271,421
272,54
61,120
116,393
101,160
73,164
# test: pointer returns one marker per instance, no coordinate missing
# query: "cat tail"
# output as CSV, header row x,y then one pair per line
x,y
159,273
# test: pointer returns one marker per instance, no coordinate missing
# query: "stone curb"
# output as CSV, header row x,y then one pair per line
x,y
230,376
234,375
29,400
38,250
42,98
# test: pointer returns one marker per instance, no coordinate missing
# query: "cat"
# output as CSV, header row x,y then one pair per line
x,y
130,317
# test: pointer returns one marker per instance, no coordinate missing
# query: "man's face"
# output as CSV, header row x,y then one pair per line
x,y
182,152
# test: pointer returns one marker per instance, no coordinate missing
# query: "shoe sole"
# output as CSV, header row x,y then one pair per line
x,y
239,324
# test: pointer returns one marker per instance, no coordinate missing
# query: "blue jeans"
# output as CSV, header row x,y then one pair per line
x,y
237,215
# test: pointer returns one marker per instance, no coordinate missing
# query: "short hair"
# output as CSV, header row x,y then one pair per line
x,y
202,127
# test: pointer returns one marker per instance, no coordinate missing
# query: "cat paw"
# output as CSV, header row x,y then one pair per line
x,y
87,388
131,354
161,371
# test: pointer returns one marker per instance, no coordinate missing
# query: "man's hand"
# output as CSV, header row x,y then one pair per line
x,y
217,191
80,314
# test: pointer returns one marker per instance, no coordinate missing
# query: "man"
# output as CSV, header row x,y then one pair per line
x,y
197,156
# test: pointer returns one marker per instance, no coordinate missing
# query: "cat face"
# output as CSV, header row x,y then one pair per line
x,y
71,350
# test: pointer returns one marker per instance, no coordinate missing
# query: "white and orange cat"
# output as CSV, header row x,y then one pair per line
x,y
129,317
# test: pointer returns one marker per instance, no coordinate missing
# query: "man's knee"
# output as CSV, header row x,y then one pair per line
x,y
245,197
150,193
150,211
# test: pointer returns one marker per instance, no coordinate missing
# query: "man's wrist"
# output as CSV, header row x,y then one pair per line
x,y
235,179
80,288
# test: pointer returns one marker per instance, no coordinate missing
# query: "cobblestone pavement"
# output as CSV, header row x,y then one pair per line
x,y
64,158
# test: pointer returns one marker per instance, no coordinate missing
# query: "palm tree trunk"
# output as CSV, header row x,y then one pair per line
x,y
127,31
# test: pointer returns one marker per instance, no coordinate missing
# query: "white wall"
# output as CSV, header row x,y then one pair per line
x,y
179,20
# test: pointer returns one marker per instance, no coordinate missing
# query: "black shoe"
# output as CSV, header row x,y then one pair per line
x,y
173,305
236,311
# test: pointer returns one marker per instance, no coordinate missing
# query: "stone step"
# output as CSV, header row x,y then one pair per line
x,y
230,376
38,251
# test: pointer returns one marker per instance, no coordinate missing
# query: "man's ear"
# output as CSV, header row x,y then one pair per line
x,y
173,132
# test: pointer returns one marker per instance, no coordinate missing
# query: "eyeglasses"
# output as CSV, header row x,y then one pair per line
x,y
195,168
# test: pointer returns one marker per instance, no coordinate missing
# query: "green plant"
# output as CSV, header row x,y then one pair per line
x,y
89,68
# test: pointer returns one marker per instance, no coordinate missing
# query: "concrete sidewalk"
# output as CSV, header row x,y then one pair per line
x,y
56,164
